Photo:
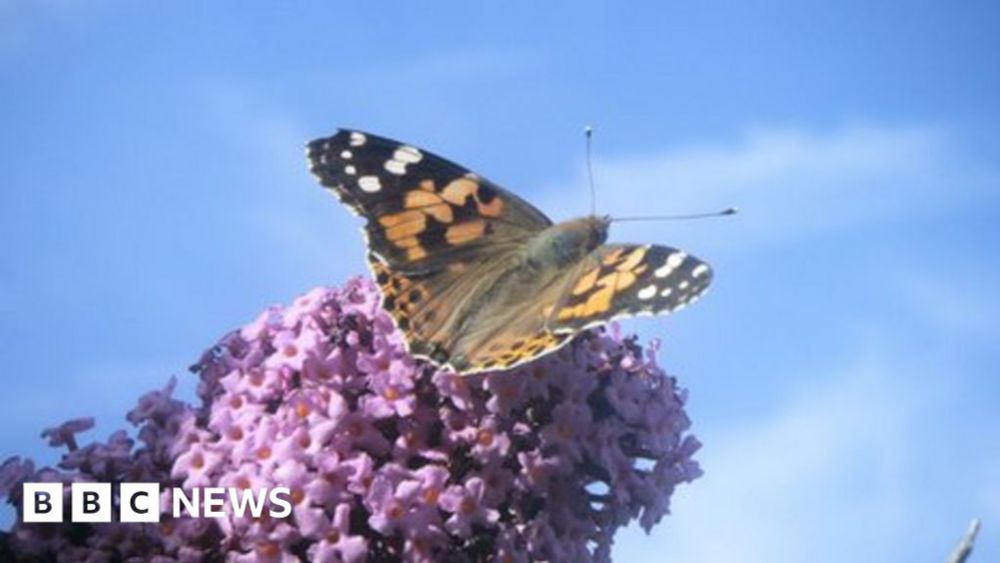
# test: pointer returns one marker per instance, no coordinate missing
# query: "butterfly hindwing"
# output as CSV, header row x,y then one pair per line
x,y
619,280
429,307
514,334
615,280
422,211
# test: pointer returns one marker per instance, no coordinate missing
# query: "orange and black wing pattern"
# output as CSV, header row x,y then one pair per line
x,y
422,211
621,280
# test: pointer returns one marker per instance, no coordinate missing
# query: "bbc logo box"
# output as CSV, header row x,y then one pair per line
x,y
90,502
42,502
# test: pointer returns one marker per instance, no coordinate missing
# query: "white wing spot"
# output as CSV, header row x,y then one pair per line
x,y
350,170
401,157
346,155
369,184
357,139
666,292
397,167
408,154
699,270
670,264
647,292
683,285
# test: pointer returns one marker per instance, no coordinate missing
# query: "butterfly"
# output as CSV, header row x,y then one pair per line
x,y
478,279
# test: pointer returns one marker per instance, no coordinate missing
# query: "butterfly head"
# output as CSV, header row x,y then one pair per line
x,y
585,233
598,226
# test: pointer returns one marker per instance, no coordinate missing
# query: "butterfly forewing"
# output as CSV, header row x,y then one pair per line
x,y
422,211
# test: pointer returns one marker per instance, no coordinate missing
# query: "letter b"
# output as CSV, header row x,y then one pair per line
x,y
42,502
91,502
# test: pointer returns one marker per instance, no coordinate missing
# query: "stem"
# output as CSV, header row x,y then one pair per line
x,y
964,547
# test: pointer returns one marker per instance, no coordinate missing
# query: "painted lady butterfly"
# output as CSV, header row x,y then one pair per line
x,y
475,277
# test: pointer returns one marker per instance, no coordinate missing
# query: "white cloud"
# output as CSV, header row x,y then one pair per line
x,y
792,182
819,479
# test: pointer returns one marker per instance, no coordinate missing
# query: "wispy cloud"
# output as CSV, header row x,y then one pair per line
x,y
793,182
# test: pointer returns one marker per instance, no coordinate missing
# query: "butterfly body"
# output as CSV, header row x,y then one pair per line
x,y
566,243
475,277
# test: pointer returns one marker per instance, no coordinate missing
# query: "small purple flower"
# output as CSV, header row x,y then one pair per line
x,y
390,503
13,472
196,465
507,392
489,442
65,433
569,420
338,544
536,470
465,503
455,388
154,403
292,349
391,388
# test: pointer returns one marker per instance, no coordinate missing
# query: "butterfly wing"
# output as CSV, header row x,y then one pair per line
x,y
422,212
615,280
431,307
620,280
515,334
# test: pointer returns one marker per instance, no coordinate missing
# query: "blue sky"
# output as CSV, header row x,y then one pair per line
x,y
843,370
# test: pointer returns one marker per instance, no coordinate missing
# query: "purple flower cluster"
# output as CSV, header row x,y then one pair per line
x,y
386,457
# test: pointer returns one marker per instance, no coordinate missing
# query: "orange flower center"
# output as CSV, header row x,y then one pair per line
x,y
485,438
396,512
431,495
468,506
268,550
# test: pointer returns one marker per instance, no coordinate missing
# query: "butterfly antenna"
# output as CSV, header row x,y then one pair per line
x,y
724,212
588,131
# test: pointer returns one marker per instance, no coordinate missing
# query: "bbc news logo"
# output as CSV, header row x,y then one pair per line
x,y
140,502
